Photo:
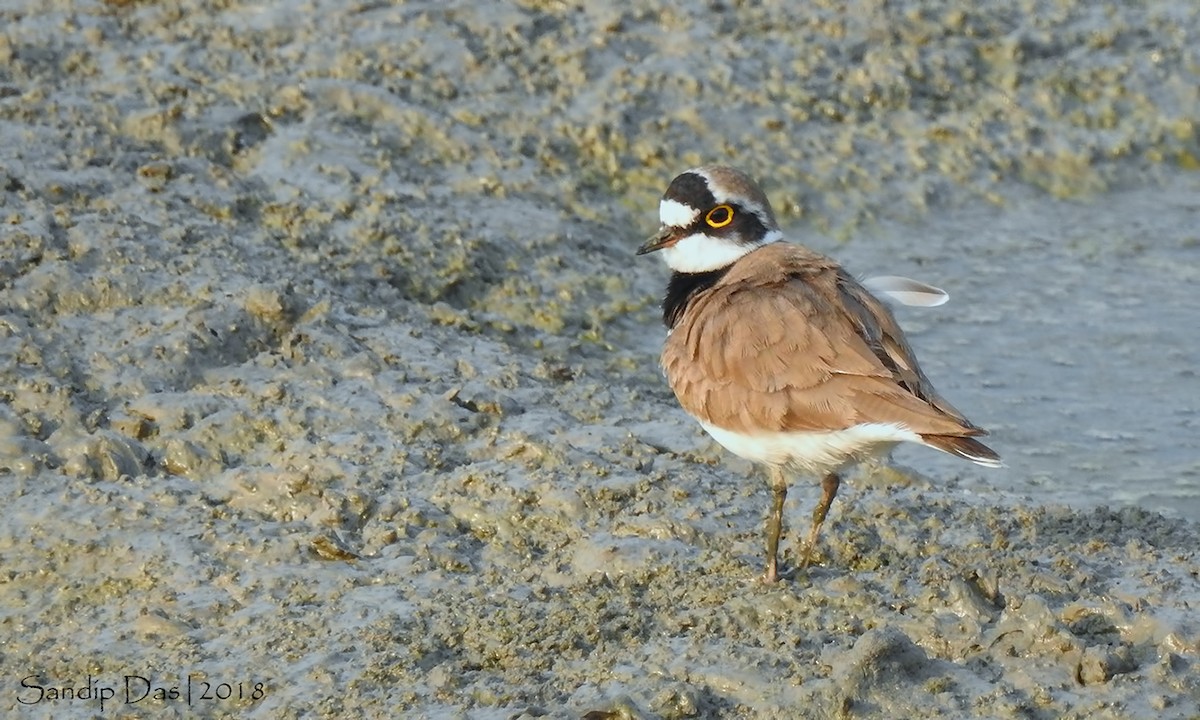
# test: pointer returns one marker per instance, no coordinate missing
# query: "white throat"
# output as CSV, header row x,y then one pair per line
x,y
703,253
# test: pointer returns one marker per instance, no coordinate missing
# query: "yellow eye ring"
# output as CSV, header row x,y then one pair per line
x,y
719,217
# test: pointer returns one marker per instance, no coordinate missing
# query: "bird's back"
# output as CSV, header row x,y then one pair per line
x,y
785,340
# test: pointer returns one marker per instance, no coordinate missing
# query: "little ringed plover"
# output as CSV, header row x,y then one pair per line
x,y
781,355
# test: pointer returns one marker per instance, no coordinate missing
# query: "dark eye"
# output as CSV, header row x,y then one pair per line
x,y
719,217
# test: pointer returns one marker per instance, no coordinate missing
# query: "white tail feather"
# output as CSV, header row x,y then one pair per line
x,y
906,291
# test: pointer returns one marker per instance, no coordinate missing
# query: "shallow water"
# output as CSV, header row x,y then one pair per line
x,y
1068,335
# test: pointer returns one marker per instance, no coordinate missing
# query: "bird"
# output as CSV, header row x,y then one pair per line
x,y
783,357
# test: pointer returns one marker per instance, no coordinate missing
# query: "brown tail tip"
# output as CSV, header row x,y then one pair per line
x,y
964,447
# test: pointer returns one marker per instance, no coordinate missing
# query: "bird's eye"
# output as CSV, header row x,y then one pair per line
x,y
719,217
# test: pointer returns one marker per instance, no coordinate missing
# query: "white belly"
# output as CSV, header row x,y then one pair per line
x,y
815,452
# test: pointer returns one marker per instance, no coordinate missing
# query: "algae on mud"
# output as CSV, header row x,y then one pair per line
x,y
326,362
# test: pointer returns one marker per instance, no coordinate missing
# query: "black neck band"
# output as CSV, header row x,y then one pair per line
x,y
682,288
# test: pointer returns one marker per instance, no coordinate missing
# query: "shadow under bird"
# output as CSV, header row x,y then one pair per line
x,y
781,355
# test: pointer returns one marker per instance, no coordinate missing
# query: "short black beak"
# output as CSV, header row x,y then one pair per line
x,y
665,237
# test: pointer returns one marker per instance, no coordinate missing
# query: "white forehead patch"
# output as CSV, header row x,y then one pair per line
x,y
676,214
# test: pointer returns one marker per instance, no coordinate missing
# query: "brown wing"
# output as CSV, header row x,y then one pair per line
x,y
786,341
879,330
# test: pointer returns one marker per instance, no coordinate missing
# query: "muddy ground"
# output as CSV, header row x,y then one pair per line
x,y
329,382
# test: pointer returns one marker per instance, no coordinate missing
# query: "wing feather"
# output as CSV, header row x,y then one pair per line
x,y
787,341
